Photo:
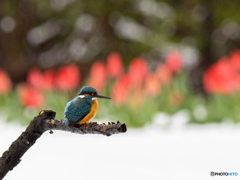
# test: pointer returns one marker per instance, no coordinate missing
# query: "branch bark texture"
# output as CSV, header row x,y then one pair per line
x,y
43,122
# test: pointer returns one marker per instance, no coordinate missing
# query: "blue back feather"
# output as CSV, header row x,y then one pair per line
x,y
77,109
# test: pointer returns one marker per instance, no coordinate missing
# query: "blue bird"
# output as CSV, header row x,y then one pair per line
x,y
82,108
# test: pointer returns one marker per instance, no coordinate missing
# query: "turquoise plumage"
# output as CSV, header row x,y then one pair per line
x,y
78,108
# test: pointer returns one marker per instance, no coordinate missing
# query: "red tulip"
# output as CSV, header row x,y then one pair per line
x,y
221,77
137,70
120,90
98,75
48,82
114,65
5,82
30,97
68,78
235,59
42,81
173,61
152,85
35,78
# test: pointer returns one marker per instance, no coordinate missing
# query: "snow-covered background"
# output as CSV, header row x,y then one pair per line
x,y
158,151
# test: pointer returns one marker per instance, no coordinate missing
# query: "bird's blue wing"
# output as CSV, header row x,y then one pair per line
x,y
77,109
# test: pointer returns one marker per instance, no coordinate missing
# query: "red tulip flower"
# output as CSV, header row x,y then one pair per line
x,y
35,78
98,75
222,77
49,78
173,61
68,78
114,65
5,82
235,59
42,81
120,90
30,97
137,70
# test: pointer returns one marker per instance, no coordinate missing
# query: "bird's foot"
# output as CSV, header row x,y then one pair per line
x,y
88,123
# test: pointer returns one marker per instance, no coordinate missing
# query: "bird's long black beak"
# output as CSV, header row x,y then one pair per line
x,y
101,96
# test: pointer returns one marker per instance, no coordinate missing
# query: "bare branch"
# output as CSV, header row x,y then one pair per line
x,y
43,122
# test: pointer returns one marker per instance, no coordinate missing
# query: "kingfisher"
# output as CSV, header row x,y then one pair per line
x,y
83,108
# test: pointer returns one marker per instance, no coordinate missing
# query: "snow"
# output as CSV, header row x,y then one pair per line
x,y
177,151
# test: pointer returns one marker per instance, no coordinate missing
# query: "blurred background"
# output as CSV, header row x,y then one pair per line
x,y
164,63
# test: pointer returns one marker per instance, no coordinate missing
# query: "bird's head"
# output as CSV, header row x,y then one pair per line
x,y
90,91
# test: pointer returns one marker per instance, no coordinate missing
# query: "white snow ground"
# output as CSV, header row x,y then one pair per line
x,y
179,151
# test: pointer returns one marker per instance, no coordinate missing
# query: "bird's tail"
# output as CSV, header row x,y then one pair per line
x,y
66,123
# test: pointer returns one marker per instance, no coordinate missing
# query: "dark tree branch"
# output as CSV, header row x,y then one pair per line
x,y
43,122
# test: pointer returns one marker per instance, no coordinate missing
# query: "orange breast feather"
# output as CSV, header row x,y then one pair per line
x,y
92,113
